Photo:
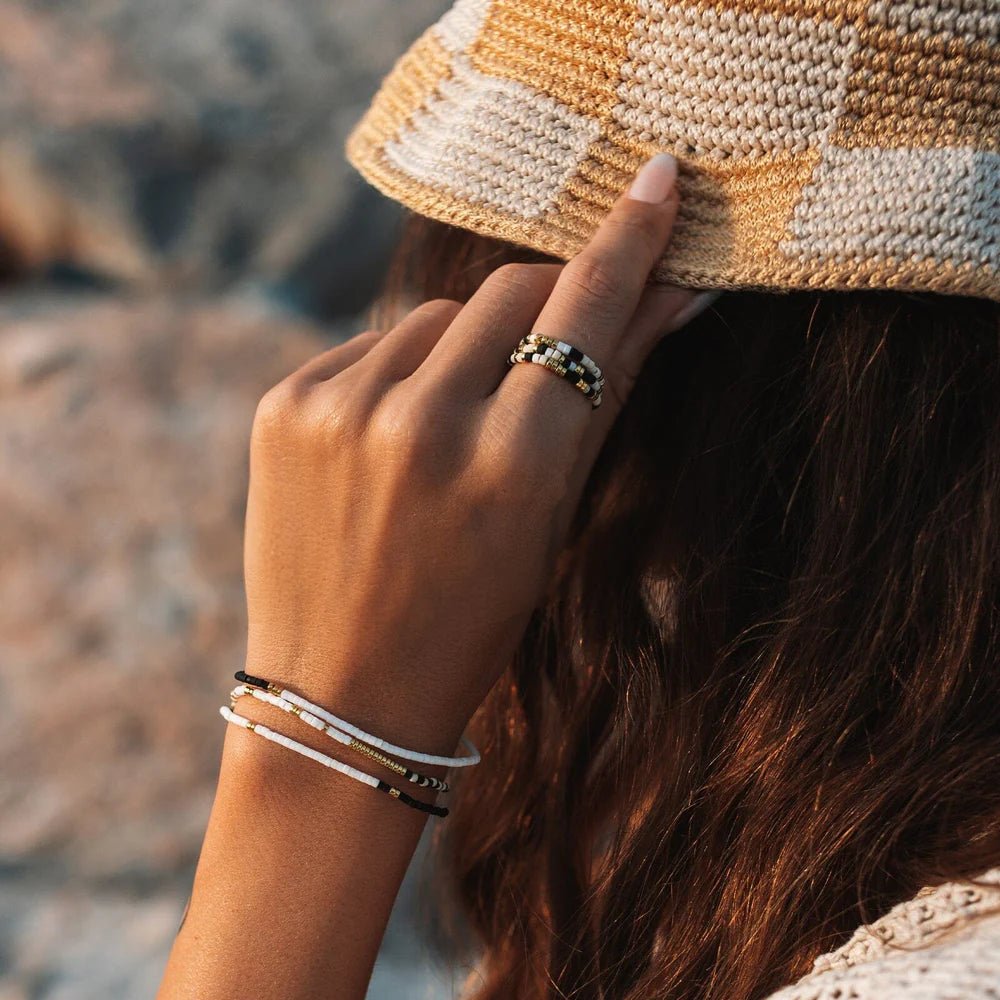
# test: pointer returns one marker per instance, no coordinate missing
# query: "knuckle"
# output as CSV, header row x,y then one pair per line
x,y
290,415
390,426
275,408
334,414
439,307
511,277
297,416
405,431
593,277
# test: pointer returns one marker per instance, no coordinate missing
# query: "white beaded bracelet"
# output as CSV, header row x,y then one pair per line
x,y
423,780
321,758
375,741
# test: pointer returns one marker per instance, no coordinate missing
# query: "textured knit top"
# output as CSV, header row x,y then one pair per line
x,y
826,144
929,947
943,944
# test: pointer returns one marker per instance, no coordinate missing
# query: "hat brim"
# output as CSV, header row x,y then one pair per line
x,y
457,136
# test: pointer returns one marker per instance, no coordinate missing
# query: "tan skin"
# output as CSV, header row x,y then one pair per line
x,y
408,496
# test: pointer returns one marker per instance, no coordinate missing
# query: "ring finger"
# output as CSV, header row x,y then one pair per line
x,y
468,360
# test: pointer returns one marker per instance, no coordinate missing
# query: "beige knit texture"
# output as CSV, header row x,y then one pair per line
x,y
943,944
822,144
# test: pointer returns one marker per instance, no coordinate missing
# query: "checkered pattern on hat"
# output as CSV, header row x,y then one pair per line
x,y
822,144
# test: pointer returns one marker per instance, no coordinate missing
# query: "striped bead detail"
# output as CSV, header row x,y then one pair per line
x,y
335,765
345,729
574,366
413,803
421,780
271,696
567,350
573,377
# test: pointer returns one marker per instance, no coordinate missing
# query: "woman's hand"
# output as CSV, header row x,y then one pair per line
x,y
409,491
408,495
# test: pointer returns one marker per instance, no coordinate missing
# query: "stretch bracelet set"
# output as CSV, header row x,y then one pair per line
x,y
352,742
346,734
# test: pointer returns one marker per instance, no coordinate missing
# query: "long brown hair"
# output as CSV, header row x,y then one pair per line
x,y
762,702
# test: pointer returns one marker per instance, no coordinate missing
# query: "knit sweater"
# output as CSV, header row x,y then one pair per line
x,y
926,948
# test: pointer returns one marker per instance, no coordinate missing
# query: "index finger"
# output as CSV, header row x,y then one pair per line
x,y
599,289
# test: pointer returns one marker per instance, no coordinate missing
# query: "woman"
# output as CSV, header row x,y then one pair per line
x,y
726,642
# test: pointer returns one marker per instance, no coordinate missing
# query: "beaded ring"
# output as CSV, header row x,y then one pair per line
x,y
573,377
321,758
585,374
566,350
423,780
346,727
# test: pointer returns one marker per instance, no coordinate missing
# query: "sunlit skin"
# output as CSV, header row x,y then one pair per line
x,y
409,493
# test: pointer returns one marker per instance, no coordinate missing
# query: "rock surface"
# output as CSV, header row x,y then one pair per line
x,y
122,487
184,162
193,144
123,445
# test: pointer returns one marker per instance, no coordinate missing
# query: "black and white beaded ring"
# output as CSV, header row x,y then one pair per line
x,y
571,376
539,350
321,758
589,374
422,780
567,351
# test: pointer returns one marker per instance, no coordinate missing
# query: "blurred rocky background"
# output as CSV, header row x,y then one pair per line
x,y
178,230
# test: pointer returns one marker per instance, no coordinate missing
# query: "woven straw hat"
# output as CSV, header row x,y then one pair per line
x,y
822,143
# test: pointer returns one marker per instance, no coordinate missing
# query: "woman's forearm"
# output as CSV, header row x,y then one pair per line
x,y
297,877
408,500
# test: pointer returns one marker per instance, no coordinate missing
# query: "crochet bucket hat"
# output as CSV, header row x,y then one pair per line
x,y
826,144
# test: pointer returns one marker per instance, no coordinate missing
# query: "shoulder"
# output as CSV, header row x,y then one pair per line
x,y
942,944
964,964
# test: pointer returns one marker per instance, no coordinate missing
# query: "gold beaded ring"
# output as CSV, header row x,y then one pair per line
x,y
564,360
561,350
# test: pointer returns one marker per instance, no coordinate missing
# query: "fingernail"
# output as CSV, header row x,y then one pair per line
x,y
655,179
697,305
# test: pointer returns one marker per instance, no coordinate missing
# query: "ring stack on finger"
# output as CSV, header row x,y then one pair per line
x,y
563,359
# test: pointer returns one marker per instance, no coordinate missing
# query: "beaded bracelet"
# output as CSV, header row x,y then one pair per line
x,y
423,780
375,741
336,765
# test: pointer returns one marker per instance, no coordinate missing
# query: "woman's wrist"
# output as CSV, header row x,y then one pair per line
x,y
380,724
294,854
394,704
288,786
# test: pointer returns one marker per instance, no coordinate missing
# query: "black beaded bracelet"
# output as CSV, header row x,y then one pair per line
x,y
413,803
